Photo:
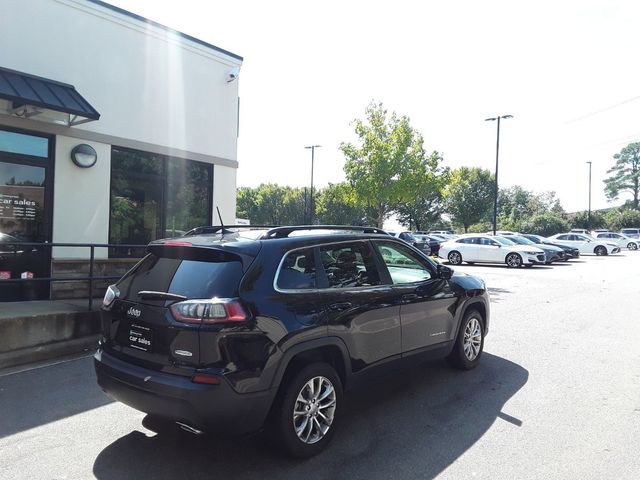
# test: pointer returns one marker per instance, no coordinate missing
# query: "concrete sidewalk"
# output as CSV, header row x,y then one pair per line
x,y
46,329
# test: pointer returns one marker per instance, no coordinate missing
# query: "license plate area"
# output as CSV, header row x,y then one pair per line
x,y
140,337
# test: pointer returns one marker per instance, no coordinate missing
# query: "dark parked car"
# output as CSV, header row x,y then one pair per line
x,y
433,242
552,253
221,330
569,252
411,239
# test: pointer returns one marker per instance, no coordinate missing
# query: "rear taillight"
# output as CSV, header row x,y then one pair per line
x,y
109,297
206,379
215,310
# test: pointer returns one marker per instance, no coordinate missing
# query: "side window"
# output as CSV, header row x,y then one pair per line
x,y
349,265
298,271
403,265
563,237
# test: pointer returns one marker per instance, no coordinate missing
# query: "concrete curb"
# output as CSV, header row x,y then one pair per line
x,y
35,331
49,351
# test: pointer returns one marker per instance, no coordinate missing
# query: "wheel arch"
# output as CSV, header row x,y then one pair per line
x,y
474,304
331,350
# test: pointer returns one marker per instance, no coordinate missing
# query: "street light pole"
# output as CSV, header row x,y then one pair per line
x,y
589,214
495,186
311,209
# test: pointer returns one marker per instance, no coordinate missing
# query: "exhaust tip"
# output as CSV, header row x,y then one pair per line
x,y
189,428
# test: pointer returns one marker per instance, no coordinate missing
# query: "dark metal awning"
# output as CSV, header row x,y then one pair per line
x,y
29,96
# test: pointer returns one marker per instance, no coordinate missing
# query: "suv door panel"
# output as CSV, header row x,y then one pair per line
x,y
427,313
364,314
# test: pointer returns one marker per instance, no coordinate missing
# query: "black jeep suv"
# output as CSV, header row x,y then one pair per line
x,y
230,329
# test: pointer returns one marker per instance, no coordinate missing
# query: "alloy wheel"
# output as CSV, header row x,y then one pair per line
x,y
514,260
632,246
455,258
314,410
472,339
600,250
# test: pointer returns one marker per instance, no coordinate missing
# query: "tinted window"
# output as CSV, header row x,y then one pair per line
x,y
298,271
191,278
467,240
504,241
563,237
486,241
407,237
403,265
349,265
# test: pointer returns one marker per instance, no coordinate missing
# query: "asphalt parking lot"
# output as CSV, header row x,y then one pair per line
x,y
557,396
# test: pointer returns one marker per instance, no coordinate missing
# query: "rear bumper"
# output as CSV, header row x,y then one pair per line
x,y
210,408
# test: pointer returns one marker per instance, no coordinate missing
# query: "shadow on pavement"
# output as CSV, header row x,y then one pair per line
x,y
43,395
412,425
497,293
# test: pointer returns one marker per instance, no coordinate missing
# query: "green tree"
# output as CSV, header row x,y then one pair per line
x,y
545,224
581,220
469,195
516,205
625,174
426,206
384,164
271,204
336,205
629,218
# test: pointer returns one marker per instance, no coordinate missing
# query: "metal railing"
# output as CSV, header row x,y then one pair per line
x,y
91,278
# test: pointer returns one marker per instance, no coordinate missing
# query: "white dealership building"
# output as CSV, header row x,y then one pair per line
x,y
113,129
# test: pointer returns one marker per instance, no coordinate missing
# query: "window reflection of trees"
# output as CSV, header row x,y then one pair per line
x,y
153,196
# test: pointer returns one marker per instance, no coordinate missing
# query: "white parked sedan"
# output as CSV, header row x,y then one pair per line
x,y
621,240
586,244
485,249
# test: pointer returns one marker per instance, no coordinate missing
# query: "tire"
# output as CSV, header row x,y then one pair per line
x,y
310,383
513,260
454,258
632,246
600,250
467,356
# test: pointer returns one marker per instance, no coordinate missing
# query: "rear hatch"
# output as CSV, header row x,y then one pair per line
x,y
142,326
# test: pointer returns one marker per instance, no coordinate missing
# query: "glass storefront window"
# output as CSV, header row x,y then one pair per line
x,y
153,196
13,142
22,201
188,196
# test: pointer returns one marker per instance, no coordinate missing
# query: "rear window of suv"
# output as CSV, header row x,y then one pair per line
x,y
190,278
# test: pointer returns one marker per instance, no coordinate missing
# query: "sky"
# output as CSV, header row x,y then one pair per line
x,y
566,70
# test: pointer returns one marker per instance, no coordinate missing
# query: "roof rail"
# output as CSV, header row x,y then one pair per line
x,y
223,229
282,232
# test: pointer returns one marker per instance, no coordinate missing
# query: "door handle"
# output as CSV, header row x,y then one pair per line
x,y
340,306
409,297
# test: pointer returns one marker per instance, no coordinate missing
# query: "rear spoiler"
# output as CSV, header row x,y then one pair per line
x,y
187,251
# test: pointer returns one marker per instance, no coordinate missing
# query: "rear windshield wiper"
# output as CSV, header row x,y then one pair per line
x,y
151,295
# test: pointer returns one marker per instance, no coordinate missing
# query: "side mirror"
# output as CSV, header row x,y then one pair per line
x,y
444,272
